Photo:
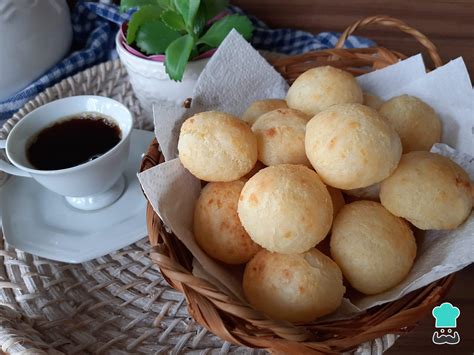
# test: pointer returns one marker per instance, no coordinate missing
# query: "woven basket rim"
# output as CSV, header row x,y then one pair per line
x,y
239,323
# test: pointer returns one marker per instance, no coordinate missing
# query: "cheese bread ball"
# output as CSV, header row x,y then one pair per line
x,y
217,227
417,124
216,146
286,208
294,288
472,191
256,168
429,190
367,193
337,200
352,146
280,137
372,100
374,249
319,88
259,107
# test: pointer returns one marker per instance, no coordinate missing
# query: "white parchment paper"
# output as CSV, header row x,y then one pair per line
x,y
384,82
237,75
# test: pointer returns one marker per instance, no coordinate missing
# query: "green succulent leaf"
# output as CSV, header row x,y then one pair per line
x,y
126,5
204,48
220,29
177,56
154,37
194,53
188,9
173,20
200,21
165,4
144,15
213,7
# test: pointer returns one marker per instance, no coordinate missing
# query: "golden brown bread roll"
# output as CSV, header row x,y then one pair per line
x,y
429,190
366,193
372,100
352,146
374,249
319,88
295,288
217,227
217,146
260,107
280,137
337,199
472,191
417,124
256,168
286,208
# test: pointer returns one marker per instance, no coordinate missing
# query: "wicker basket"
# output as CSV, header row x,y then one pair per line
x,y
237,322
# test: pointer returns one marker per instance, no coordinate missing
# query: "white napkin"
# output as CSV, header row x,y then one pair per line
x,y
385,81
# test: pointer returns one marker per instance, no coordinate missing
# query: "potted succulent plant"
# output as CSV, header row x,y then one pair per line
x,y
166,44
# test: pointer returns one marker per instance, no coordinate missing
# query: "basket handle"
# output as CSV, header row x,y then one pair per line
x,y
393,22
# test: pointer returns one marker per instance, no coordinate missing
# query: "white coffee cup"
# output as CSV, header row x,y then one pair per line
x,y
91,185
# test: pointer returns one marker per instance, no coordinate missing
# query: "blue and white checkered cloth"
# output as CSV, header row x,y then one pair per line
x,y
95,25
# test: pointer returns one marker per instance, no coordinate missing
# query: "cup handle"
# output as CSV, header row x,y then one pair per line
x,y
8,168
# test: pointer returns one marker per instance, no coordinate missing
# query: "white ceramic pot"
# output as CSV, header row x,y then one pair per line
x,y
90,185
34,35
150,82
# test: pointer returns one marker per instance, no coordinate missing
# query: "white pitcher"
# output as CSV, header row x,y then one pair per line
x,y
34,35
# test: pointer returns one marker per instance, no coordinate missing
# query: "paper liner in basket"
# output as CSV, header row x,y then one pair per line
x,y
235,77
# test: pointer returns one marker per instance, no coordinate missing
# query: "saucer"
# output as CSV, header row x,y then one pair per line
x,y
43,223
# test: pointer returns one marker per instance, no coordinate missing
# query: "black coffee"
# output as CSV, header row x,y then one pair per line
x,y
72,141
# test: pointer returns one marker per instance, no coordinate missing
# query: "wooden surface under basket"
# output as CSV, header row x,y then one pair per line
x,y
238,322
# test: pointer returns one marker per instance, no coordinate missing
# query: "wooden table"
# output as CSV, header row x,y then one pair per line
x,y
450,25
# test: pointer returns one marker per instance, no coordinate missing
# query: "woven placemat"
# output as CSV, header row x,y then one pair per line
x,y
115,304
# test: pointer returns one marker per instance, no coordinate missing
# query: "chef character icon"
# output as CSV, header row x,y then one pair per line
x,y
446,316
